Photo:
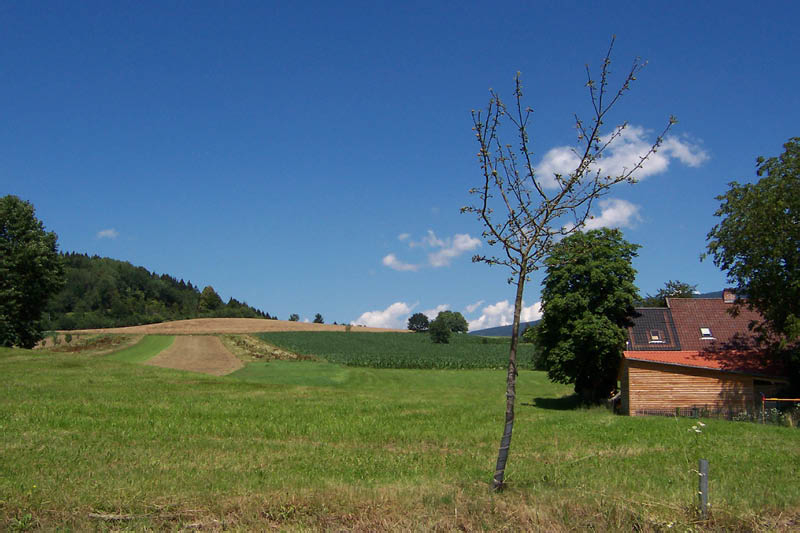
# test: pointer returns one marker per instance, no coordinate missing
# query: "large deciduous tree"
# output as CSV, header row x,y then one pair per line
x,y
525,213
31,271
439,330
758,242
587,297
418,322
454,320
671,289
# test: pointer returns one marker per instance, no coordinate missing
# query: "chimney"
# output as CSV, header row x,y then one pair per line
x,y
728,296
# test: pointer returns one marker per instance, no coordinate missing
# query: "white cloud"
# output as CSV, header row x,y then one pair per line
x,y
685,152
430,240
403,236
393,262
433,313
394,316
452,248
445,250
622,155
472,307
614,213
110,233
502,314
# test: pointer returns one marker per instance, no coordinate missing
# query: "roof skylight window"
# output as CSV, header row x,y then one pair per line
x,y
705,333
656,337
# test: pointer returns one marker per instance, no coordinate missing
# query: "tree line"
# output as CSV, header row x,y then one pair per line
x,y
100,292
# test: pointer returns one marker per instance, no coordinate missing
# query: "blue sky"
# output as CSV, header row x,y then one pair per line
x,y
312,157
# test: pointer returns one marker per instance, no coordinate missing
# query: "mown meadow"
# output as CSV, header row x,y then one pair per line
x,y
88,442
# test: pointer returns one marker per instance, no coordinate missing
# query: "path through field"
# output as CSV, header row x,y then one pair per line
x,y
198,353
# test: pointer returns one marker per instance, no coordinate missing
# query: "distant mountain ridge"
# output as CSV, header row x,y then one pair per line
x,y
505,331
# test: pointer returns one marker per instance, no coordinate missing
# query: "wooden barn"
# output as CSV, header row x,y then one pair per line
x,y
691,356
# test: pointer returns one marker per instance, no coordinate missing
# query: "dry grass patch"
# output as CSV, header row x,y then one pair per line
x,y
87,343
432,508
249,349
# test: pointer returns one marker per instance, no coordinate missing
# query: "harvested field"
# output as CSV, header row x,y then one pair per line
x,y
197,326
198,353
88,344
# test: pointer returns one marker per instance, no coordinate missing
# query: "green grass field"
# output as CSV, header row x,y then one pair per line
x,y
89,442
401,350
148,347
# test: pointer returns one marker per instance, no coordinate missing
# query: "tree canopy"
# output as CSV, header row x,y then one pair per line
x,y
454,321
31,272
672,289
318,319
588,296
440,330
758,242
209,300
418,322
101,292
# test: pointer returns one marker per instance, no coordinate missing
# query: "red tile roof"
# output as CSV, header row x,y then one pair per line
x,y
728,332
726,361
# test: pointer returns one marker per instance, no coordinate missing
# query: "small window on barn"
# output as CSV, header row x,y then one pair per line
x,y
656,337
705,333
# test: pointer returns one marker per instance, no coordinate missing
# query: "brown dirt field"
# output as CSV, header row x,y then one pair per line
x,y
198,353
199,326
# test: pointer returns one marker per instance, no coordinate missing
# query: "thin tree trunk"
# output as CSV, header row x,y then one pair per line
x,y
511,386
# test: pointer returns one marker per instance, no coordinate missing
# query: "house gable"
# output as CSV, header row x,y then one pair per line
x,y
706,358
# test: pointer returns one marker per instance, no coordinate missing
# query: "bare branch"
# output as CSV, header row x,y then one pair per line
x,y
525,214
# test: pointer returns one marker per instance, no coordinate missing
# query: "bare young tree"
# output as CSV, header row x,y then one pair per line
x,y
525,213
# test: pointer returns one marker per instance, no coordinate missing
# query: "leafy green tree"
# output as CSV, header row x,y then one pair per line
x,y
440,330
418,322
103,292
525,212
758,242
529,335
318,319
209,300
588,297
672,289
455,321
294,317
31,272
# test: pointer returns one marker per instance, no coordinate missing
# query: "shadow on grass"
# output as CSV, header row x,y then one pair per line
x,y
565,403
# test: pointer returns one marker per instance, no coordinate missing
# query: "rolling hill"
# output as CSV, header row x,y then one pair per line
x,y
104,293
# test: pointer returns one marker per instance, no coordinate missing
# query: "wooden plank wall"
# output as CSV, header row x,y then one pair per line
x,y
651,386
